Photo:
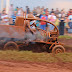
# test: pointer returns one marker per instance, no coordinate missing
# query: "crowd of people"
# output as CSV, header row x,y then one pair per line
x,y
62,19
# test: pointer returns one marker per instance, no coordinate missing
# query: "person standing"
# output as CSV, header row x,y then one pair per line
x,y
34,12
69,12
52,10
70,21
66,24
62,13
20,12
27,10
16,9
37,21
5,18
43,24
52,18
61,25
47,13
38,10
11,10
13,18
57,21
57,11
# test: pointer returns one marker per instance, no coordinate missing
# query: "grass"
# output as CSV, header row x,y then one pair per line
x,y
34,57
66,57
65,36
26,56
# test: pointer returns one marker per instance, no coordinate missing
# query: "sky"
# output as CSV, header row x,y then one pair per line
x,y
66,4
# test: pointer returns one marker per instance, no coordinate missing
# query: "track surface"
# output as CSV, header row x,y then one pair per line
x,y
34,67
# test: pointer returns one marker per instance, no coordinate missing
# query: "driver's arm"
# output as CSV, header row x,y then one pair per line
x,y
28,24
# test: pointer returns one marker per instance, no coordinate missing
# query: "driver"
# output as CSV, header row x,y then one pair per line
x,y
27,24
29,33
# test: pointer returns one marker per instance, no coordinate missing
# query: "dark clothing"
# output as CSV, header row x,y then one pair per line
x,y
61,27
52,12
70,25
40,15
28,10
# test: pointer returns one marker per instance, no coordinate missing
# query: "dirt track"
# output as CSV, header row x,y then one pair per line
x,y
34,67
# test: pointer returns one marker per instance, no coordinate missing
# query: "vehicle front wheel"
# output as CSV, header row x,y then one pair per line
x,y
58,49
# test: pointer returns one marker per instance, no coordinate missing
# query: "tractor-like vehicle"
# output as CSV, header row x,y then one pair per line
x,y
17,36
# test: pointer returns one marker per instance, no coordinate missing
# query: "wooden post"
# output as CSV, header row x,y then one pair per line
x,y
2,5
7,6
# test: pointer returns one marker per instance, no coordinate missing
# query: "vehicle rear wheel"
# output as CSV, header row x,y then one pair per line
x,y
58,49
11,46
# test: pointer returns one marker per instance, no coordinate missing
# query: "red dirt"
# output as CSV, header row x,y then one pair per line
x,y
67,44
66,41
34,67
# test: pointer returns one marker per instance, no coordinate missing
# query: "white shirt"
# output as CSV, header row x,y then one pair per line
x,y
70,17
54,17
6,20
3,16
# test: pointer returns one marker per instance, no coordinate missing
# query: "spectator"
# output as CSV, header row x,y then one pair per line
x,y
52,11
34,12
38,10
57,21
57,11
70,21
41,14
52,19
43,8
20,12
66,24
70,11
5,18
61,14
37,21
46,10
61,25
27,10
43,24
14,17
11,10
63,10
16,9
47,13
